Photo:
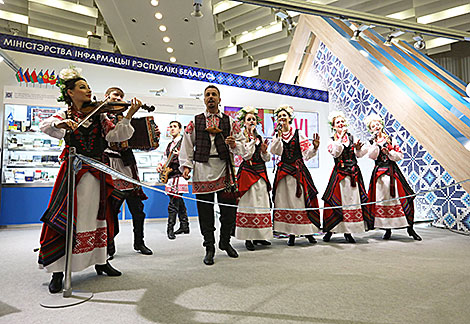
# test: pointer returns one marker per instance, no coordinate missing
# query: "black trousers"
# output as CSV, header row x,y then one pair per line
x,y
207,218
136,207
176,207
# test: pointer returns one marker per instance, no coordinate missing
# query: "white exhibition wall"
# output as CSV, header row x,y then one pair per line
x,y
179,90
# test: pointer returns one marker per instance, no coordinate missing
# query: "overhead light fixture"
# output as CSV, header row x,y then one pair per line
x,y
358,31
172,59
162,28
285,16
388,41
89,33
169,49
166,39
159,92
154,3
419,44
1,2
197,4
158,15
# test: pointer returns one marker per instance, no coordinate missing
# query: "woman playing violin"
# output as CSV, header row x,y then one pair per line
x,y
93,199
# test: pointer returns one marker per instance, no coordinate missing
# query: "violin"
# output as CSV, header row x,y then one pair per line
x,y
116,107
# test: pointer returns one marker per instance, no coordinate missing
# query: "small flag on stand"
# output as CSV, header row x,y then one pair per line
x,y
19,75
40,80
34,76
45,77
27,77
52,78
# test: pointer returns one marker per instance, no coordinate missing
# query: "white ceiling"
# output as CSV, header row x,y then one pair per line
x,y
206,42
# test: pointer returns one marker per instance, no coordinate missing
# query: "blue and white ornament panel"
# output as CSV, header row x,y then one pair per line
x,y
449,207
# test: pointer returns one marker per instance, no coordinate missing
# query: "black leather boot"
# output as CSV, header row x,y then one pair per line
x,y
182,230
55,285
413,234
291,241
249,245
388,234
209,258
231,252
311,239
170,233
349,238
142,248
327,236
108,269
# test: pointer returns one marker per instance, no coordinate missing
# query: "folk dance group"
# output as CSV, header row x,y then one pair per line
x,y
206,148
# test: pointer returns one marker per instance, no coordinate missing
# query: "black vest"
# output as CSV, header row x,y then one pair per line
x,y
203,141
174,163
88,141
347,159
291,150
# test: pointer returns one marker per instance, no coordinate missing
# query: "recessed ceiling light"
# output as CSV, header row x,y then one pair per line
x,y
191,43
162,28
169,49
158,15
154,3
196,62
134,20
186,19
144,43
166,39
172,59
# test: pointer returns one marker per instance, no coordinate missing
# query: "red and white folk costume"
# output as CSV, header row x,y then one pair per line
x,y
293,185
345,187
254,187
91,223
176,183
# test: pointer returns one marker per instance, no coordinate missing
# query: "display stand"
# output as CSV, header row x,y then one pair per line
x,y
68,297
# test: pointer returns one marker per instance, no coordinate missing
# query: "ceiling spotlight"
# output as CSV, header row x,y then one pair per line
x,y
197,4
172,59
158,15
358,31
419,44
154,3
89,33
388,41
162,28
166,39
169,49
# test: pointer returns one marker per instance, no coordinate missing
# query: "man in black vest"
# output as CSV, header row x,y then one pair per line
x,y
208,146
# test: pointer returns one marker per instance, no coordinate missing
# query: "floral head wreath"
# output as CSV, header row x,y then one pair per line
x,y
333,115
373,117
288,109
245,111
69,73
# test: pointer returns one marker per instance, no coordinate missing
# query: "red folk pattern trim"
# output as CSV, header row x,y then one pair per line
x,y
212,121
88,241
352,216
107,125
208,186
389,211
292,217
122,184
190,128
247,220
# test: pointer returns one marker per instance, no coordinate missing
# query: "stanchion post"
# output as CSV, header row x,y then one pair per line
x,y
70,221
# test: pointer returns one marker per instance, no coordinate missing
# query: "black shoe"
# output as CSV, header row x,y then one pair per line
x,y
291,241
231,252
55,285
262,242
388,234
249,245
143,249
209,258
182,230
311,239
171,234
327,236
413,234
349,238
108,269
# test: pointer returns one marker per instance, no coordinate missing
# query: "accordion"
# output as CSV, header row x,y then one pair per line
x,y
146,136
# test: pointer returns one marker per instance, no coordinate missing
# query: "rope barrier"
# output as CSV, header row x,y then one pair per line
x,y
116,174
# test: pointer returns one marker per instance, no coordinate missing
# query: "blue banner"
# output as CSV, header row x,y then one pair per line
x,y
80,54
